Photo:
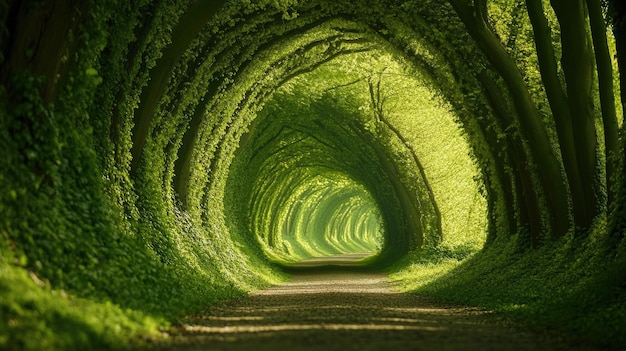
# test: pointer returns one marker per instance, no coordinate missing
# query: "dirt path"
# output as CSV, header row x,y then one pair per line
x,y
343,309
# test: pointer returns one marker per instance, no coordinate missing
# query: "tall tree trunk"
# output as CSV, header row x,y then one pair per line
x,y
189,25
577,63
506,174
617,9
182,165
532,128
527,201
612,145
558,101
38,37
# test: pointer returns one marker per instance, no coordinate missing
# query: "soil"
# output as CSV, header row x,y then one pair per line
x,y
341,308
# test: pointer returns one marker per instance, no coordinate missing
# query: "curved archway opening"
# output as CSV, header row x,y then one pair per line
x,y
359,121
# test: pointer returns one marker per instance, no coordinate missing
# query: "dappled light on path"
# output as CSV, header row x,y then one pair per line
x,y
345,309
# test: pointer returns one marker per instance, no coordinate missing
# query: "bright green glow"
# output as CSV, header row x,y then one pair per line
x,y
324,171
327,215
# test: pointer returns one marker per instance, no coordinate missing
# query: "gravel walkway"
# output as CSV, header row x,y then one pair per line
x,y
343,309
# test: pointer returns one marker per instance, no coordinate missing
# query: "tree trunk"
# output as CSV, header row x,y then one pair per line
x,y
577,63
557,98
189,25
612,145
517,214
38,38
529,213
617,9
533,130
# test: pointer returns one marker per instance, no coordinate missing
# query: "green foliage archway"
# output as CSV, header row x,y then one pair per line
x,y
159,156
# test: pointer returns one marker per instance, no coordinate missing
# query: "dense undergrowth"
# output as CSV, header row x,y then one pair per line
x,y
36,316
78,274
568,285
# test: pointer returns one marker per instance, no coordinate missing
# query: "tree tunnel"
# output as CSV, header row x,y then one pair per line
x,y
165,155
327,125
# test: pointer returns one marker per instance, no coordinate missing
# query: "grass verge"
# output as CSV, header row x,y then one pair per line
x,y
576,288
33,316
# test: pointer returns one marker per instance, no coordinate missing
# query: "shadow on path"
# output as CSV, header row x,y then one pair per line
x,y
344,309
